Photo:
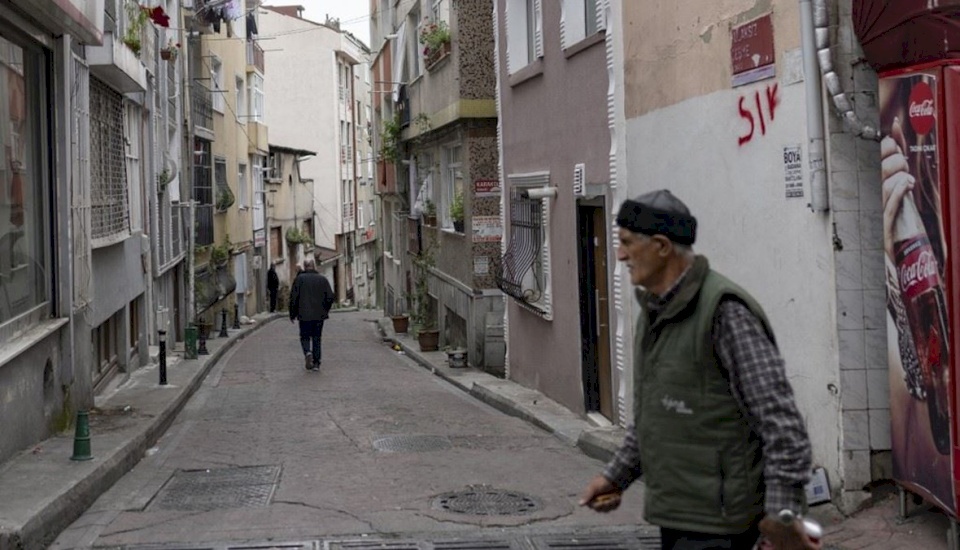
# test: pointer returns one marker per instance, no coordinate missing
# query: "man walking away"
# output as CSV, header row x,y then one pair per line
x,y
273,285
716,433
310,302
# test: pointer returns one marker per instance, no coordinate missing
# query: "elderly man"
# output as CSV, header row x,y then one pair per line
x,y
310,301
716,433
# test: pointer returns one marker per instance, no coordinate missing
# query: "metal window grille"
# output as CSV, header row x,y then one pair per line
x,y
109,205
520,273
80,183
202,105
203,192
172,117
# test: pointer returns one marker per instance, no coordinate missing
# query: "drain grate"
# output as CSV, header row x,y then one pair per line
x,y
199,490
487,502
600,542
411,443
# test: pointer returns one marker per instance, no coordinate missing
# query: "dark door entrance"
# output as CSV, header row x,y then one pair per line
x,y
594,311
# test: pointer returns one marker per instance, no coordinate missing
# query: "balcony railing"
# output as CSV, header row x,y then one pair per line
x,y
255,56
202,101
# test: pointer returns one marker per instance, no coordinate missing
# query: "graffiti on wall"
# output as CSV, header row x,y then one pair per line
x,y
758,111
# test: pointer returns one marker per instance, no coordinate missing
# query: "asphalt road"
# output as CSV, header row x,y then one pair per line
x,y
371,449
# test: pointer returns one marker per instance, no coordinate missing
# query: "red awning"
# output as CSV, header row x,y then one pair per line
x,y
899,33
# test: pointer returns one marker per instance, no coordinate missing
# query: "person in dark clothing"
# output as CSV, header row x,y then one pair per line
x,y
273,285
310,302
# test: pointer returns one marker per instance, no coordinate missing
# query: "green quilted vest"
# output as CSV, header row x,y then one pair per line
x,y
702,464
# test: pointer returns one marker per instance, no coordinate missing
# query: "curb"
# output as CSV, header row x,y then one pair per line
x,y
534,408
43,528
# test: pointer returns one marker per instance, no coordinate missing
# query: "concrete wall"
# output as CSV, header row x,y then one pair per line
x,y
546,354
301,95
118,277
686,129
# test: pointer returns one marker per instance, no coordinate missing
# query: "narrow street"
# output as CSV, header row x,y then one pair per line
x,y
366,450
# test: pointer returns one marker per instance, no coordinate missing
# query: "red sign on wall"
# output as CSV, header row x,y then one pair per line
x,y
751,51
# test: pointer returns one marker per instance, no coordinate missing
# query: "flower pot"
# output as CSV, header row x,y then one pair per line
x,y
457,358
167,55
458,226
429,340
400,323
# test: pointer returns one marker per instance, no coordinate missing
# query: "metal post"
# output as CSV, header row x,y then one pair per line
x,y
202,348
236,315
163,357
223,324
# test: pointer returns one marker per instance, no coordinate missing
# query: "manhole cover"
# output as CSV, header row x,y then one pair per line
x,y
198,490
411,443
487,502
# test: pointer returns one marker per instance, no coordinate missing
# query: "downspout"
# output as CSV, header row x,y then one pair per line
x,y
819,194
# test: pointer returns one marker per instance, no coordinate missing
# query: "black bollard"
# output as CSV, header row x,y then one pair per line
x,y
163,358
223,324
202,346
236,315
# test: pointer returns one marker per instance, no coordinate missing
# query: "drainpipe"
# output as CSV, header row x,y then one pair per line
x,y
819,194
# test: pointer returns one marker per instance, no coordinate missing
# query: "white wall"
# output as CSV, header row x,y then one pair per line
x,y
301,103
774,247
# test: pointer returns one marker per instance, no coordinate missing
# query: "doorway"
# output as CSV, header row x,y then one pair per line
x,y
594,309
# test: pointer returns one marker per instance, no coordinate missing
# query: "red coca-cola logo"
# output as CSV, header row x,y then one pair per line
x,y
921,108
918,272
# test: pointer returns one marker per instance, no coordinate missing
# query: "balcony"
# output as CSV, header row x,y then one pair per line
x,y
202,107
116,64
255,57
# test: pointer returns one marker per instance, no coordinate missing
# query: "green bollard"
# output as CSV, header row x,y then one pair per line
x,y
190,341
81,441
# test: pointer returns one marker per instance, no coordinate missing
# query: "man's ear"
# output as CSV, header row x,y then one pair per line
x,y
666,245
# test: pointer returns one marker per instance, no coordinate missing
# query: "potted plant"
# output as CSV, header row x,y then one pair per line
x,y
136,18
401,322
225,199
219,254
456,212
163,178
435,38
427,334
430,213
170,51
390,140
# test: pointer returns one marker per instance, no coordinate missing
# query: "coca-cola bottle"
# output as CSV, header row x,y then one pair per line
x,y
921,289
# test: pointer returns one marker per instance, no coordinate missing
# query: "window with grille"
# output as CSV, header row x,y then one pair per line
x,y
452,178
203,191
524,270
224,198
80,178
109,202
216,70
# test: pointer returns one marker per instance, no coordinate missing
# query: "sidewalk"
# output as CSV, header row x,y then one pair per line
x,y
877,526
42,491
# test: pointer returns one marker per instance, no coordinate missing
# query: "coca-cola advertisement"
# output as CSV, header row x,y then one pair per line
x,y
915,255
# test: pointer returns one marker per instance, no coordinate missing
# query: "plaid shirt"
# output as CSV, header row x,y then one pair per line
x,y
759,383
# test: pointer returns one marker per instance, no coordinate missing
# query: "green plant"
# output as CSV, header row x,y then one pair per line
x,y
423,263
456,207
163,178
220,253
433,36
390,139
430,209
295,236
136,19
225,198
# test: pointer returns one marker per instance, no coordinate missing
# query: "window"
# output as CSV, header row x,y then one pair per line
x,y
524,270
110,206
225,198
243,199
258,169
413,54
255,83
203,191
241,94
132,151
441,11
579,20
216,77
23,180
524,37
452,182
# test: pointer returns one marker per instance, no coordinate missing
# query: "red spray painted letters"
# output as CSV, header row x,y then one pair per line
x,y
772,96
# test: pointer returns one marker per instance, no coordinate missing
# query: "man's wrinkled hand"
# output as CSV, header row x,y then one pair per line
x,y
601,495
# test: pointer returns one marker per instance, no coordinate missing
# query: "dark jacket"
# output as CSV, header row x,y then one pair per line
x,y
273,281
311,297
